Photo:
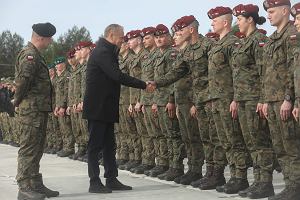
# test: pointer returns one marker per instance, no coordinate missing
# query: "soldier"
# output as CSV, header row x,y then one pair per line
x,y
33,99
278,94
61,92
247,65
145,102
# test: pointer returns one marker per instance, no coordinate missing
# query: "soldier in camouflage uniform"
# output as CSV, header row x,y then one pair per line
x,y
247,70
61,92
278,94
33,99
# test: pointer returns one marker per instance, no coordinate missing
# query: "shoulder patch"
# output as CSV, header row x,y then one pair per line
x,y
29,58
261,44
293,37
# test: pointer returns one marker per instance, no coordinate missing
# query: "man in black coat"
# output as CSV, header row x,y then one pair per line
x,y
101,107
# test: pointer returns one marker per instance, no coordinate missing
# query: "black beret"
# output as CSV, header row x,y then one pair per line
x,y
44,29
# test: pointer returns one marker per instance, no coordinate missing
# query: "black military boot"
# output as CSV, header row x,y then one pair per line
x,y
65,153
208,173
98,187
159,169
243,193
28,193
163,175
188,178
228,183
217,179
142,168
291,192
173,174
262,190
237,185
38,186
115,184
123,167
132,164
121,162
77,155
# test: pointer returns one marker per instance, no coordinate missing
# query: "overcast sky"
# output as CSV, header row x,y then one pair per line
x,y
19,15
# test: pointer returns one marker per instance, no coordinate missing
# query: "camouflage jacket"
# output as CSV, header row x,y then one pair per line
x,y
163,64
148,74
83,81
53,83
220,69
124,67
135,70
33,84
71,95
278,61
247,63
61,89
77,84
295,41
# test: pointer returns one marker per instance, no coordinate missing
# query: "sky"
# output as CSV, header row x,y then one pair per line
x,y
19,15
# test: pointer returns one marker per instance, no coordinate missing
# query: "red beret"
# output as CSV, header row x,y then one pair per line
x,y
218,11
240,35
295,9
244,9
275,3
83,44
71,53
93,46
161,29
212,35
263,31
175,26
148,31
186,21
133,34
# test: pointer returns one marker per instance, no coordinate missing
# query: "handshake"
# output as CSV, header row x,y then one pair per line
x,y
151,86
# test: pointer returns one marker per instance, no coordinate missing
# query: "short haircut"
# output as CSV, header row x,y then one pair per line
x,y
112,28
195,25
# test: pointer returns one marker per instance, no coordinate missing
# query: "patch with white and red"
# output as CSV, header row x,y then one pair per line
x,y
30,58
261,44
293,37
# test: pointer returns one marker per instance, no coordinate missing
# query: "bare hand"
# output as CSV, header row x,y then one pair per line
x,y
193,111
130,110
61,112
171,109
265,110
259,110
234,109
154,109
68,111
151,86
296,113
56,111
138,107
285,110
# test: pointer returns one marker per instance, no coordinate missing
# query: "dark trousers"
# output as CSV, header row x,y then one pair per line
x,y
101,138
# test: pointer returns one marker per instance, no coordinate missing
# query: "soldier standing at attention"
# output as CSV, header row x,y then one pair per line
x,y
278,93
33,98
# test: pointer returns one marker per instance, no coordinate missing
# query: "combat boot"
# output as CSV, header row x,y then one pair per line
x,y
98,187
121,162
78,154
115,184
132,165
291,192
208,173
228,183
188,178
142,168
123,167
262,190
28,193
159,169
237,185
38,186
174,173
243,193
65,153
217,179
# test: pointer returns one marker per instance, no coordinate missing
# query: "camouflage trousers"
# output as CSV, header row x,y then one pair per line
x,y
77,132
58,143
208,132
122,137
285,136
175,146
50,134
66,131
231,139
191,138
32,139
84,130
257,139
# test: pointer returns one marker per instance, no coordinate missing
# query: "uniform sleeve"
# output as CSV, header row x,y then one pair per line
x,y
83,83
292,62
25,73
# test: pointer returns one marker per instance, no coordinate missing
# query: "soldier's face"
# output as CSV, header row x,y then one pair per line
x,y
60,67
72,62
243,23
185,34
178,39
124,47
276,15
117,37
297,22
133,43
46,41
162,40
149,41
217,24
51,72
84,52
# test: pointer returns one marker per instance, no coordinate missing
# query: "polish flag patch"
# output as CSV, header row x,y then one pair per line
x,y
30,58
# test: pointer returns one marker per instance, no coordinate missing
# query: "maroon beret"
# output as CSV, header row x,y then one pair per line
x,y
218,11
148,31
186,21
295,9
263,31
244,9
133,34
275,3
161,29
82,44
175,26
212,35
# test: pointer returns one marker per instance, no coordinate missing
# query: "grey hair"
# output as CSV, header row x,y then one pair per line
x,y
195,25
112,28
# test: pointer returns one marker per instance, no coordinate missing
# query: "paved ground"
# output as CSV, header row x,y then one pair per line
x,y
70,178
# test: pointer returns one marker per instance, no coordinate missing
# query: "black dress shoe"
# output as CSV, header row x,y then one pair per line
x,y
115,184
99,188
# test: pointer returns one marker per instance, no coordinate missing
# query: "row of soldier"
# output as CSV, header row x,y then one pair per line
x,y
219,100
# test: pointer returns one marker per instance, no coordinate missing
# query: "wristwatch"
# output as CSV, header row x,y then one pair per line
x,y
287,97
